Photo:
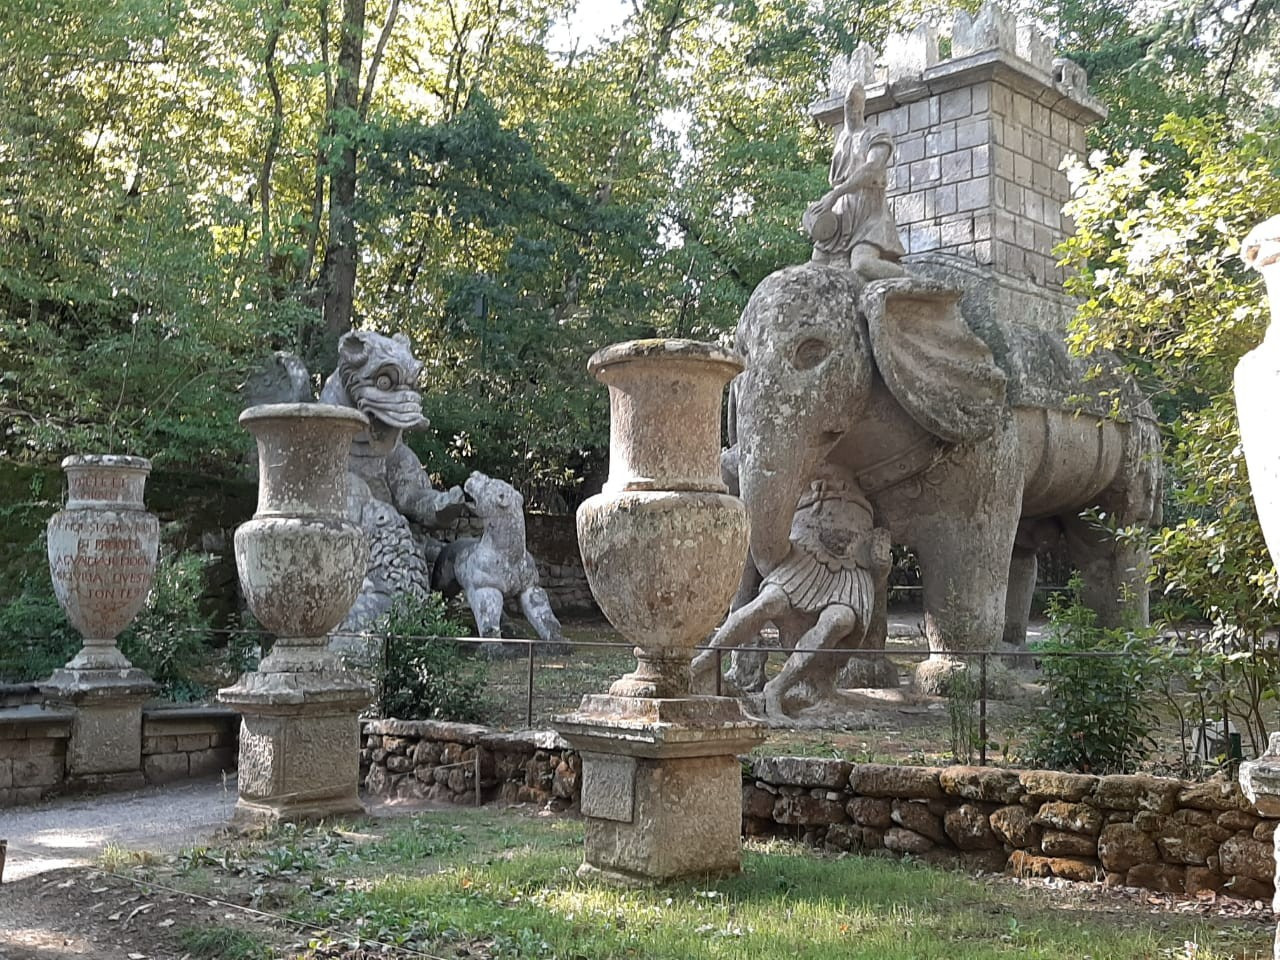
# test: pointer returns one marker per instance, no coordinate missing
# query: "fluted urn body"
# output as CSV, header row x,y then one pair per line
x,y
663,544
301,561
102,553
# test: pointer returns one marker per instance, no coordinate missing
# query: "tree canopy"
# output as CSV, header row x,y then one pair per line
x,y
186,187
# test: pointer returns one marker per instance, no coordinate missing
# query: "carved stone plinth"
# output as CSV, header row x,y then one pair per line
x,y
661,785
298,733
105,749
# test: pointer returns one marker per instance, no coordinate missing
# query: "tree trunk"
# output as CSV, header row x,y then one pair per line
x,y
340,251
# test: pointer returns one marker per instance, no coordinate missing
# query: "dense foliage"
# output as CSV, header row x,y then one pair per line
x,y
188,186
1099,709
425,674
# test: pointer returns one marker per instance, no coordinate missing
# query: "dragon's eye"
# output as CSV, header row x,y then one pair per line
x,y
384,381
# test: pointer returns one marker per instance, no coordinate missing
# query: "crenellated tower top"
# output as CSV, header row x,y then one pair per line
x,y
979,138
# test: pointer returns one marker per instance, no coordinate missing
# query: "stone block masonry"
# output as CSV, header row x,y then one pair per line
x,y
178,743
979,139
1140,831
1151,832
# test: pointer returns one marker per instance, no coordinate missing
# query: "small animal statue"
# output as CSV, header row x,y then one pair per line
x,y
497,566
821,597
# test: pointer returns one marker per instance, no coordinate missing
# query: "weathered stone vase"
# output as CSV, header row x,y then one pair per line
x,y
1257,388
663,544
102,559
300,560
301,563
102,553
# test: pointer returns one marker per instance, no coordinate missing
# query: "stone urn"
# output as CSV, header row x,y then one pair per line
x,y
1257,388
102,559
301,563
663,544
102,553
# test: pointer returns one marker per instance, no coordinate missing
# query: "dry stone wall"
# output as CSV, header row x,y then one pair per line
x,y
1142,831
435,760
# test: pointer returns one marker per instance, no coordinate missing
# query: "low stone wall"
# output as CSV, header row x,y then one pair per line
x,y
181,742
1140,831
19,695
434,760
178,743
33,751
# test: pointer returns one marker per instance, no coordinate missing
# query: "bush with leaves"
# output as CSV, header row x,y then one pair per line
x,y
35,638
170,637
1099,683
425,672
1155,261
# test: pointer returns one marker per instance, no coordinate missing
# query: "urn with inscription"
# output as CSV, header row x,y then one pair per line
x,y
102,553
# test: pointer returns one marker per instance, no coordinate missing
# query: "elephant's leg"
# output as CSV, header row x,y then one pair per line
x,y
742,625
537,610
964,544
1022,588
808,668
1114,573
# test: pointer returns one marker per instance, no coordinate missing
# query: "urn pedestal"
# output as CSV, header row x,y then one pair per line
x,y
1257,390
102,559
664,547
301,563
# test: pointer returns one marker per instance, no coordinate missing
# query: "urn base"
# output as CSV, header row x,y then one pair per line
x,y
105,749
299,746
661,785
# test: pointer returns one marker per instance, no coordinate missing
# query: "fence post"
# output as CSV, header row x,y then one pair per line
x,y
478,800
719,667
528,710
982,711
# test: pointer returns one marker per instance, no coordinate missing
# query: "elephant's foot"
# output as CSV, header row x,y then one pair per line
x,y
863,672
940,676
934,676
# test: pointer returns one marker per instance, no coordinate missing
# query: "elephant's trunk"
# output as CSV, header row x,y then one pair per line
x,y
772,481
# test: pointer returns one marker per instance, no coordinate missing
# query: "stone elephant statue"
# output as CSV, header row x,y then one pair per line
x,y
967,456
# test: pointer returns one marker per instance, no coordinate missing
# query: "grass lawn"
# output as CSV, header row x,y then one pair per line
x,y
496,884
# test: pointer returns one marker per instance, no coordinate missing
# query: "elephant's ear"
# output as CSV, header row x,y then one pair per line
x,y
936,367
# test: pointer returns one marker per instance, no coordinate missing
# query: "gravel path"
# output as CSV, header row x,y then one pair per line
x,y
72,831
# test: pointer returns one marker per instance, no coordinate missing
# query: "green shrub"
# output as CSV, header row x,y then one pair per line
x,y
35,638
425,673
961,688
169,638
1099,714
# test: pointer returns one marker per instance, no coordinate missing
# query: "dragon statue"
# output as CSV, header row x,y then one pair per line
x,y
390,494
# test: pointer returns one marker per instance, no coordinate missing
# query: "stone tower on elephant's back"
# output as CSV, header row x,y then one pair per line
x,y
980,137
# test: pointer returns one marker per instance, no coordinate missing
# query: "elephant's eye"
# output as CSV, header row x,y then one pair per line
x,y
810,353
